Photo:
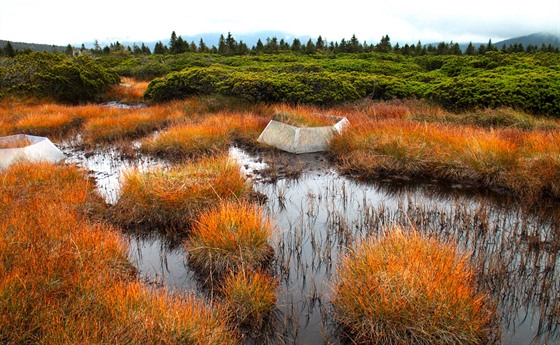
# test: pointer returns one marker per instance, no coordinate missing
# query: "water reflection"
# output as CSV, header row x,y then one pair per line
x,y
319,215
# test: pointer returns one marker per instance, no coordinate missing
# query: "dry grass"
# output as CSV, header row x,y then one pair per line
x,y
410,289
15,143
129,91
305,119
491,118
172,198
232,237
66,280
188,141
110,124
250,296
129,124
29,117
368,109
96,123
213,135
46,124
46,119
102,124
526,163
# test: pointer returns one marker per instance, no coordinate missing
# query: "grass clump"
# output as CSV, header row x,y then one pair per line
x,y
305,119
231,237
65,278
46,124
173,198
188,141
405,288
213,135
500,159
250,296
129,124
128,91
491,118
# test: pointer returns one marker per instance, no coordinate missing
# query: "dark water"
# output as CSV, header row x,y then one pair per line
x,y
320,214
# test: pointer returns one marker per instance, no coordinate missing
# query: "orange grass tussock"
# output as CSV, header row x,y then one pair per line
x,y
500,158
188,141
250,296
129,124
55,121
46,119
231,237
213,135
98,123
128,91
407,288
305,119
65,278
46,124
367,109
172,198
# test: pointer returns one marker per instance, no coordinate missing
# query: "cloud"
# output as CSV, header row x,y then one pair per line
x,y
65,21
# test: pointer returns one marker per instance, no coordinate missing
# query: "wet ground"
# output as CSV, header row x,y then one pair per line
x,y
319,214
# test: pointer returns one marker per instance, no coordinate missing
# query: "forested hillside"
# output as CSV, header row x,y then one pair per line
x,y
317,72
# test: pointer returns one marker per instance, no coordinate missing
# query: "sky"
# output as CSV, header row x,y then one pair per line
x,y
63,22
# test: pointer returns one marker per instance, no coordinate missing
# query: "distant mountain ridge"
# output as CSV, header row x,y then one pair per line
x,y
33,46
251,39
537,39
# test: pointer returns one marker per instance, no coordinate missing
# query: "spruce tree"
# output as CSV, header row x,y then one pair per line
x,y
181,46
384,46
69,51
271,45
222,46
406,50
419,49
343,46
202,47
158,48
455,49
354,45
490,47
481,49
470,50
145,50
259,47
136,49
192,47
296,45
173,42
320,44
9,50
310,47
442,49
242,48
283,45
231,44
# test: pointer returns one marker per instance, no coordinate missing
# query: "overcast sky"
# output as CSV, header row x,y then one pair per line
x,y
72,21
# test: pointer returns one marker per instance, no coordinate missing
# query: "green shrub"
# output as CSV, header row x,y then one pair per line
x,y
49,75
529,82
179,85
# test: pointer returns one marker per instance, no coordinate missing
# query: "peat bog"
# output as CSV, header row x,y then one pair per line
x,y
319,214
168,171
